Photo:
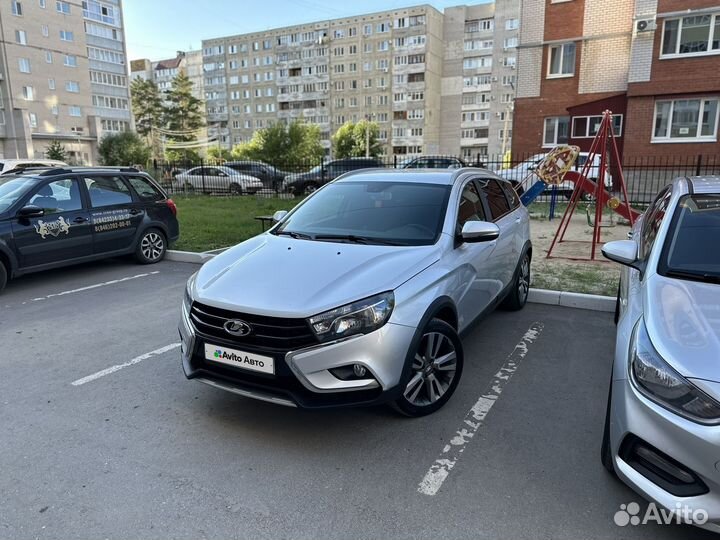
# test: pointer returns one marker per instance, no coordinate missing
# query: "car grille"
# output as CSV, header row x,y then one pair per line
x,y
272,334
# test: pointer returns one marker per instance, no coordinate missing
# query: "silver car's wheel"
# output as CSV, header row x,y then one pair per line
x,y
524,280
434,372
433,368
520,288
151,248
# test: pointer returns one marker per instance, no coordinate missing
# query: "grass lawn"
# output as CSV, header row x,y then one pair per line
x,y
208,223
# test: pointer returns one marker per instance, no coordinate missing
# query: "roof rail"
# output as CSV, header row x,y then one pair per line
x,y
66,170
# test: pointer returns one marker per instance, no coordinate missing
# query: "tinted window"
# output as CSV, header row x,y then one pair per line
x,y
403,213
511,195
58,196
107,191
471,208
145,189
652,221
496,199
11,189
691,244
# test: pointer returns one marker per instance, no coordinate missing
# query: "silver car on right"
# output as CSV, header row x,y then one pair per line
x,y
662,430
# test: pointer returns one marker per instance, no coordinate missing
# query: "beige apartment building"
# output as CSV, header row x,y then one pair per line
x,y
435,82
63,77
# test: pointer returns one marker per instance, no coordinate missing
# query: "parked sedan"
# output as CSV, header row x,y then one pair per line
x,y
270,175
359,294
435,162
218,179
662,429
306,183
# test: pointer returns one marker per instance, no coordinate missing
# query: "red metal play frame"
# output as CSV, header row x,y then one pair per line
x,y
599,146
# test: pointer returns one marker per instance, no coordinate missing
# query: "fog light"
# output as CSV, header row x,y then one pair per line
x,y
359,370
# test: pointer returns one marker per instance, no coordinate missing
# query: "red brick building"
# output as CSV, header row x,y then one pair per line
x,y
654,63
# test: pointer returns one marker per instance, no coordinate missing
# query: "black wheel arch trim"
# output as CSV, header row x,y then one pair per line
x,y
7,254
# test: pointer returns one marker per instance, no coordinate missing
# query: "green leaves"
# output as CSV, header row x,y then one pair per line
x,y
351,140
292,146
123,149
55,150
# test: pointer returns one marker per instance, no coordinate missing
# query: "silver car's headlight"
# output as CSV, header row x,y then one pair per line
x,y
661,383
359,317
188,297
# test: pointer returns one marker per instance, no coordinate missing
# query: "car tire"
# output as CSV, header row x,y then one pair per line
x,y
235,189
3,276
518,295
151,247
606,450
434,373
309,188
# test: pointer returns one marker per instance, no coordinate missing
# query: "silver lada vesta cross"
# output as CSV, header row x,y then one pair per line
x,y
357,296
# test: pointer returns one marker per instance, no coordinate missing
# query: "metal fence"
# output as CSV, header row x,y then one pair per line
x,y
644,176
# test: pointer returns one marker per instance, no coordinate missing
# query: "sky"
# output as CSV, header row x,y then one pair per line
x,y
156,29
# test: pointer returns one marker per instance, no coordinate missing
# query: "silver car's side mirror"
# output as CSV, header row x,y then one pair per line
x,y
479,231
621,251
279,215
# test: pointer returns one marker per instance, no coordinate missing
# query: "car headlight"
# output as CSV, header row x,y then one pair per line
x,y
661,383
188,297
359,317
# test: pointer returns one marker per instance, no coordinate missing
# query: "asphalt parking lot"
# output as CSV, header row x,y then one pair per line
x,y
103,436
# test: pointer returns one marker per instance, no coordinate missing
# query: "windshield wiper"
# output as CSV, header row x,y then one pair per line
x,y
699,276
366,240
296,235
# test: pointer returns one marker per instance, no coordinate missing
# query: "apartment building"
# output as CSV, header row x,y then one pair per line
x,y
163,72
392,67
653,63
63,76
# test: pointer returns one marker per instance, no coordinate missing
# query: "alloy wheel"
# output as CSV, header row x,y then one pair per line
x,y
152,246
434,368
524,280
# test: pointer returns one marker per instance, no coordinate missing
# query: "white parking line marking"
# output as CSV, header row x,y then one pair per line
x,y
90,287
129,363
439,471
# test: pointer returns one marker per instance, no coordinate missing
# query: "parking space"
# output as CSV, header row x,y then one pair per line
x,y
132,449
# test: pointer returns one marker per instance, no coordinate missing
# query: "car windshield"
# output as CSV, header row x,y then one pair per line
x,y
397,213
690,250
11,189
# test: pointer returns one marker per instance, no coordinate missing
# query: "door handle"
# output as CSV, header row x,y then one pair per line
x,y
80,219
518,220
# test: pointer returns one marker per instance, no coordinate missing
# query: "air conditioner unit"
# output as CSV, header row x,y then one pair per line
x,y
645,25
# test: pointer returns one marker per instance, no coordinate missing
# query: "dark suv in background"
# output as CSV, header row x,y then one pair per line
x,y
271,176
306,183
60,216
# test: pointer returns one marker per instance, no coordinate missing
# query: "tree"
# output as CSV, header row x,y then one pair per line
x,y
123,149
183,116
295,145
219,154
147,106
351,140
56,151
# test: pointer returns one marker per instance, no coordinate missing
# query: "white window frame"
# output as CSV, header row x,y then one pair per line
x,y
698,138
554,142
24,63
714,17
561,46
587,118
21,37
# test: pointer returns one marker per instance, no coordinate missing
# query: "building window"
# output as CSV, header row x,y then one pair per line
x,y
693,35
684,120
72,86
62,7
556,130
45,30
32,118
51,84
510,43
67,35
48,57
512,24
28,93
17,8
42,3
74,110
588,126
70,60
561,60
21,37
24,65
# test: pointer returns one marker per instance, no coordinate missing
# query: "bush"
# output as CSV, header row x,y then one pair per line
x,y
123,149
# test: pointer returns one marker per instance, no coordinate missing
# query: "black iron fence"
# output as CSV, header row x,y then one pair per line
x,y
644,176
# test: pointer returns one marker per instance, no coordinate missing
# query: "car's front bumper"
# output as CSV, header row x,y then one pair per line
x,y
695,447
302,377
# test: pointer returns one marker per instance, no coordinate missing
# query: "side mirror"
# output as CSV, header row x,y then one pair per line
x,y
479,231
622,251
30,211
279,215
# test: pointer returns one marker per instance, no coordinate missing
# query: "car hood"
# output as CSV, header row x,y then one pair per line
x,y
284,277
683,322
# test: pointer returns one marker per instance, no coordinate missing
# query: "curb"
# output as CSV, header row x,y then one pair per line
x,y
573,300
187,256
